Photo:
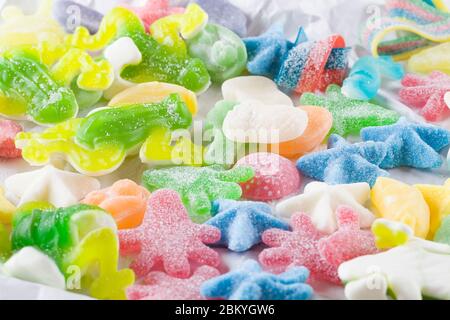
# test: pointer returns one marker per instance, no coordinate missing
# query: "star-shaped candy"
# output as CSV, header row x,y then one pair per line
x,y
250,282
167,235
345,163
321,200
198,187
266,52
51,185
427,93
350,115
243,222
160,286
410,144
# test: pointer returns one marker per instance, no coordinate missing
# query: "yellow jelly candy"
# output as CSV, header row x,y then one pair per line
x,y
154,92
6,209
5,242
97,258
389,234
172,30
438,199
394,200
432,59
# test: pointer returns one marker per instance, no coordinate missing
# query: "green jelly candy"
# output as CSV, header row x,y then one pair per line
x,y
443,233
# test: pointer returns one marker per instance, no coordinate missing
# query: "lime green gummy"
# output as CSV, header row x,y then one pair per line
x,y
25,82
443,233
131,125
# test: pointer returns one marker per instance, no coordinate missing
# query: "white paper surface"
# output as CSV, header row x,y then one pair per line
x,y
320,18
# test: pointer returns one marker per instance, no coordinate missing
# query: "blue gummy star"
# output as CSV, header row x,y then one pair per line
x,y
345,163
243,222
267,51
415,145
250,282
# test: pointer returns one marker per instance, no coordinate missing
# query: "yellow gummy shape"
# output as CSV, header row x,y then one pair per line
x,y
154,92
39,149
172,30
438,199
97,256
7,209
396,201
390,235
432,59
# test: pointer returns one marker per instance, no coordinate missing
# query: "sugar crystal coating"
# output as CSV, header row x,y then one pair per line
x,y
8,131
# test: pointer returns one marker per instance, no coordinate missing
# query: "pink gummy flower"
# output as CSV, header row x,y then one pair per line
x,y
167,235
160,286
320,253
154,10
8,131
427,93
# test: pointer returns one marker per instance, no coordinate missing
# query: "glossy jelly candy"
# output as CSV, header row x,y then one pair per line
x,y
160,286
443,233
198,187
125,200
250,282
222,51
71,15
409,144
242,223
320,201
49,184
7,209
344,162
159,63
275,177
427,93
350,115
165,216
5,242
8,131
400,202
365,77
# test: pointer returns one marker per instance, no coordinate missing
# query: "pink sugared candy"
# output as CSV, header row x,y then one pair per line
x,y
8,131
275,177
320,253
159,286
168,236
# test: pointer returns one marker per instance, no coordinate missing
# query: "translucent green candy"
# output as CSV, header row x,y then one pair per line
x,y
443,233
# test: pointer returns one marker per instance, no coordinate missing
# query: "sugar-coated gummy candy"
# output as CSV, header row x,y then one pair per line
x,y
395,200
222,51
250,282
443,233
71,14
427,93
151,244
345,163
125,200
8,131
242,223
320,201
350,115
409,144
198,187
49,184
366,75
7,209
430,60
160,286
275,177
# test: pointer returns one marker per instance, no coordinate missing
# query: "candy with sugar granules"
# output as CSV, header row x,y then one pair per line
x,y
8,131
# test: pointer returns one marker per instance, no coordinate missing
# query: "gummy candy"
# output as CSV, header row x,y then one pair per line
x,y
430,60
7,209
410,144
443,233
199,186
390,234
242,223
364,79
250,282
222,51
345,163
172,30
400,202
223,13
427,94
71,14
8,131
320,201
167,235
159,63
438,200
275,177
124,200
160,286
5,242
49,184
350,115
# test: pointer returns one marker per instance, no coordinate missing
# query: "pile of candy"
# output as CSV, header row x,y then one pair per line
x,y
124,85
